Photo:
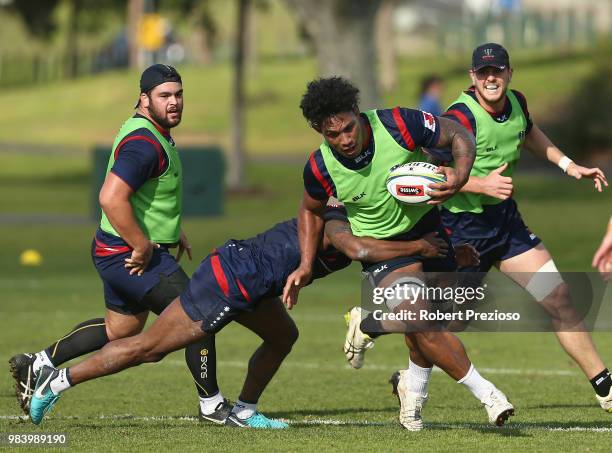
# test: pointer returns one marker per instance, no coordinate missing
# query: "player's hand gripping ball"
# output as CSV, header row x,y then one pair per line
x,y
408,183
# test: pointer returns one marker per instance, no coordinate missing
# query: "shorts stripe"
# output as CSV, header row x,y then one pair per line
x,y
243,291
103,249
219,274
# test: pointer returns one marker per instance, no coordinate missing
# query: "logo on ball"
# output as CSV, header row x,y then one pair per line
x,y
410,191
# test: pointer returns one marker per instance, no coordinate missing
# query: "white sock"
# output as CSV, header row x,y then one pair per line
x,y
41,359
478,385
418,378
61,382
244,410
209,404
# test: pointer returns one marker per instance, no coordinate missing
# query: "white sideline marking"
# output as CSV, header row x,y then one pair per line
x,y
333,422
389,367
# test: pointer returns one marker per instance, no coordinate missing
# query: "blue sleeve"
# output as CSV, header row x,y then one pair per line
x,y
317,181
411,128
523,102
460,113
138,158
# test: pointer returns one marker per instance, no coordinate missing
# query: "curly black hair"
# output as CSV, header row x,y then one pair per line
x,y
326,97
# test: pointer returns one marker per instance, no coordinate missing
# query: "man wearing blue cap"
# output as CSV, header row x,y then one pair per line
x,y
141,220
485,215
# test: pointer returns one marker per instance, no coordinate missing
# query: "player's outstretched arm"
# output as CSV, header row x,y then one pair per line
x,y
539,144
370,250
463,148
310,230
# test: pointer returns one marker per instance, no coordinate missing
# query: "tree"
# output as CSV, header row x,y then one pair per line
x,y
235,177
38,17
71,59
387,58
343,33
134,14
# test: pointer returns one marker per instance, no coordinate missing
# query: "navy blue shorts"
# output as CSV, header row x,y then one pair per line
x,y
124,293
498,233
214,295
429,223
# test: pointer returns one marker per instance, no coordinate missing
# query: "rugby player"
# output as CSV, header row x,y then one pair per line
x,y
485,215
239,281
352,164
141,220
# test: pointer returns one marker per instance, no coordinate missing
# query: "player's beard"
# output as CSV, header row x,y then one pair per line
x,y
161,116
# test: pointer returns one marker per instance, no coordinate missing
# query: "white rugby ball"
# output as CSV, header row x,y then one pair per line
x,y
408,183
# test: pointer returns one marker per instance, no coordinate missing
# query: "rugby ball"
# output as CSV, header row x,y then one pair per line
x,y
408,183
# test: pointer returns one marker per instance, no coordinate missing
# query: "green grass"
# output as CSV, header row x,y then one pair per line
x,y
143,408
87,111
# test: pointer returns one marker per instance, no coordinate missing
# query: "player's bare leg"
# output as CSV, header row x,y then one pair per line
x,y
271,322
275,327
570,330
430,344
171,331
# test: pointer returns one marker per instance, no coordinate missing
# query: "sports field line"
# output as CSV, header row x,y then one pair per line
x,y
389,367
334,422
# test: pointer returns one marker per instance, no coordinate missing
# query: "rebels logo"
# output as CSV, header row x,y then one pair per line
x,y
410,191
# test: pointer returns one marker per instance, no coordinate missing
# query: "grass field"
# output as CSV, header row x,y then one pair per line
x,y
330,406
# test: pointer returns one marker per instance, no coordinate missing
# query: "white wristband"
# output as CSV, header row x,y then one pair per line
x,y
564,163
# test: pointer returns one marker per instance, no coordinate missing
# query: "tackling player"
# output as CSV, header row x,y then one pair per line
x,y
238,281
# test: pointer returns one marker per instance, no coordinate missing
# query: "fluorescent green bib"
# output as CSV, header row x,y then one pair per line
x,y
372,211
496,144
157,204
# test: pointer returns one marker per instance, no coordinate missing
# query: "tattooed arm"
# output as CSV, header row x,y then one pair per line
x,y
370,250
463,148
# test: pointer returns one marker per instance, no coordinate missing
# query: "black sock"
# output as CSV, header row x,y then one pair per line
x,y
201,358
372,327
84,338
602,383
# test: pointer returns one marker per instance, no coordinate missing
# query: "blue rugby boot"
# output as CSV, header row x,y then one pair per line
x,y
257,421
43,398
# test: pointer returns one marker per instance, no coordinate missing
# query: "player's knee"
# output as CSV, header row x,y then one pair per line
x,y
558,302
145,350
284,343
561,293
290,339
292,336
117,330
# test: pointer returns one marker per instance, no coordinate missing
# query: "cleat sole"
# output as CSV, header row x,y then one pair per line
x,y
503,417
23,404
